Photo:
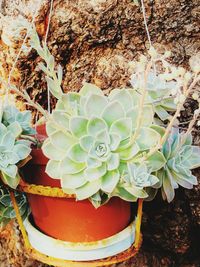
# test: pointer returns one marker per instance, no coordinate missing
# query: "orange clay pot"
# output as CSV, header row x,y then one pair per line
x,y
68,219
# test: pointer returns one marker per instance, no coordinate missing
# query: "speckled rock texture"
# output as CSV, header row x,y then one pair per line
x,y
94,40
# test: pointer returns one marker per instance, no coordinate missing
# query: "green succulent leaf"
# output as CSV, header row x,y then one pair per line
x,y
61,118
147,115
62,140
117,112
109,181
115,140
122,127
53,169
95,104
96,125
86,142
89,88
162,113
156,161
92,174
113,162
147,138
69,166
136,191
76,153
52,152
121,192
12,180
73,181
78,126
129,153
87,190
15,128
123,96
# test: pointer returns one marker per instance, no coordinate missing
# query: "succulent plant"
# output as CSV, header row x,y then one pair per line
x,y
101,146
7,212
159,92
13,149
12,115
181,157
91,135
135,178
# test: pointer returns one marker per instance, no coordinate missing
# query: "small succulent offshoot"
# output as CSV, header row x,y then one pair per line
x,y
14,148
7,212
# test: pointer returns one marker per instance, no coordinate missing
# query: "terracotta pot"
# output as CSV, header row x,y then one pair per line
x,y
68,219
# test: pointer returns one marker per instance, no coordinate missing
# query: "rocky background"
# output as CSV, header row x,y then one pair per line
x,y
94,40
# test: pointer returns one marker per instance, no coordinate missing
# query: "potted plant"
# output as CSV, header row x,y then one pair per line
x,y
108,151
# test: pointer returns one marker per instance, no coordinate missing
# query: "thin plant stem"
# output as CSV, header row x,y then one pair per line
x,y
46,36
141,105
21,48
145,22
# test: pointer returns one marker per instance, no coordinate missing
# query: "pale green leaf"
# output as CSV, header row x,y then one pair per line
x,y
50,128
73,181
93,163
53,169
11,171
95,104
76,153
8,140
62,140
146,118
147,138
136,191
162,113
114,141
109,181
22,151
10,181
96,125
167,186
15,128
121,192
89,88
113,162
113,112
69,166
123,96
129,152
156,161
92,174
122,127
86,142
159,129
61,118
87,190
52,152
78,126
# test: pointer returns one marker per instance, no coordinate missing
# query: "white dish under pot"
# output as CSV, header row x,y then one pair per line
x,y
80,251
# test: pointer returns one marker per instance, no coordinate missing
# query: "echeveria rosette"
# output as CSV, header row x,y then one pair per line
x,y
7,212
181,157
12,115
135,178
12,151
92,136
159,92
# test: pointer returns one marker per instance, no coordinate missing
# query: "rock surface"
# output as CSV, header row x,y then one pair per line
x,y
95,41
